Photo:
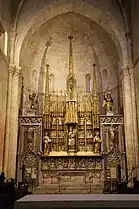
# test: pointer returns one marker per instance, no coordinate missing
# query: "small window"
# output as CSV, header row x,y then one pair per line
x,y
105,80
2,38
88,83
5,43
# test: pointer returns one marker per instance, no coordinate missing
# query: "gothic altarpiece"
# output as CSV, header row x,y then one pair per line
x,y
71,144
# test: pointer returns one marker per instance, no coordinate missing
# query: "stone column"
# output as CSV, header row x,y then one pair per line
x,y
133,100
134,116
14,124
8,120
128,119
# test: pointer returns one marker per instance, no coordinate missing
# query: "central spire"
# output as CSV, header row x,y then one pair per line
x,y
71,116
70,56
94,81
71,81
95,100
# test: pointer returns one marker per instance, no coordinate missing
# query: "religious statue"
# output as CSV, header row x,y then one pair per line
x,y
71,139
112,139
33,100
47,143
108,103
97,142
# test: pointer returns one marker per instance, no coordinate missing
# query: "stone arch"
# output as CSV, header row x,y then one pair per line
x,y
80,7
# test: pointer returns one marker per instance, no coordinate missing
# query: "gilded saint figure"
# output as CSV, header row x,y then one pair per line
x,y
97,142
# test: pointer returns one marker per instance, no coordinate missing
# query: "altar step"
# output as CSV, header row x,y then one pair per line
x,y
69,189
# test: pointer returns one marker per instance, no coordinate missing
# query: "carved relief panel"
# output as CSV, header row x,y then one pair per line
x,y
72,163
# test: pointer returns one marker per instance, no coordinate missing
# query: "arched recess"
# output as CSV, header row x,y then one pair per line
x,y
46,11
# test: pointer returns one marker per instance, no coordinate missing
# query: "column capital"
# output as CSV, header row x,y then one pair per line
x,y
11,68
14,70
124,71
132,71
128,35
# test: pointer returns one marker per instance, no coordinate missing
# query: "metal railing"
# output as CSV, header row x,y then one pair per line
x,y
129,179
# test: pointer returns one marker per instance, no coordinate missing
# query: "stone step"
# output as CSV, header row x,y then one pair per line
x,y
68,189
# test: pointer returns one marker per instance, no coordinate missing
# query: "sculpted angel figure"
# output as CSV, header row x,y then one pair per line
x,y
108,102
33,99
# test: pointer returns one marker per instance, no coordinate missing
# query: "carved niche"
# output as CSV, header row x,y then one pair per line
x,y
111,136
30,137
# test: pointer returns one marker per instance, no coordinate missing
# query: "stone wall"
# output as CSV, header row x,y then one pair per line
x,y
3,99
5,20
137,88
